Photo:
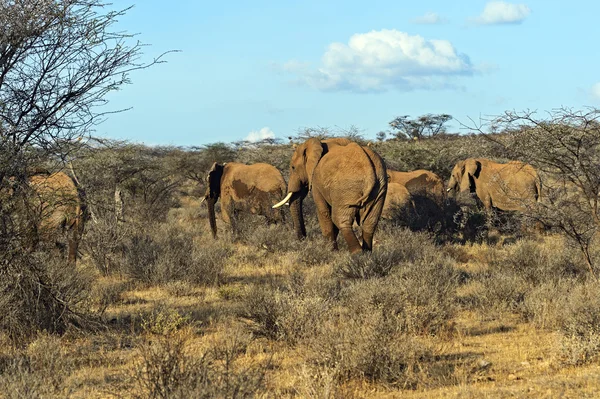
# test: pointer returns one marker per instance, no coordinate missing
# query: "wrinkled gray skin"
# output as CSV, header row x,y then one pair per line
x,y
509,187
246,188
348,183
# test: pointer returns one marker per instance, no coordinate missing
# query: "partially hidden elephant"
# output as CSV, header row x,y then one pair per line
x,y
420,183
427,198
348,183
57,208
511,186
397,201
246,188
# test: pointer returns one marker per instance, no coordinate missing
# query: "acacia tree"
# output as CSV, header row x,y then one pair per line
x,y
425,125
565,147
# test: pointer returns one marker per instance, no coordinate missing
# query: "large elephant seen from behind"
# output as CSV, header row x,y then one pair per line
x,y
511,186
243,188
348,183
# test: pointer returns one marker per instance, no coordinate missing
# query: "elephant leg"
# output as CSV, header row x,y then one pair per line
x,y
329,230
353,244
345,219
367,237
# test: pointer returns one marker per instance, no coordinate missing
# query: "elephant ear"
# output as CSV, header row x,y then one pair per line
x,y
312,154
472,171
473,167
214,180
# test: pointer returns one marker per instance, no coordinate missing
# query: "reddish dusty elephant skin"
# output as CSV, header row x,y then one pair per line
x,y
57,208
348,183
511,186
243,188
420,183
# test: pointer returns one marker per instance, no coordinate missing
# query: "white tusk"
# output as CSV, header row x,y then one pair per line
x,y
283,201
203,199
448,190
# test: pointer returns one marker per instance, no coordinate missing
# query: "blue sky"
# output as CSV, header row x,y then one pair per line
x,y
273,67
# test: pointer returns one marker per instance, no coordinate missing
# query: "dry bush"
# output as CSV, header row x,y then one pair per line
x,y
369,265
105,293
581,324
104,244
39,371
520,275
273,238
538,262
314,252
366,346
169,253
167,366
284,314
396,247
39,292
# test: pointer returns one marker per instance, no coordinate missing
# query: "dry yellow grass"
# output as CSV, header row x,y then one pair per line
x,y
497,354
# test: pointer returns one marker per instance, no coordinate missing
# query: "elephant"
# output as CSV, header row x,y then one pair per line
x,y
420,183
511,186
397,200
56,207
427,198
348,183
250,188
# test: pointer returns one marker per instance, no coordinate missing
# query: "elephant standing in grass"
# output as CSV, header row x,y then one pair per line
x,y
348,183
421,183
398,201
249,188
57,208
427,198
512,186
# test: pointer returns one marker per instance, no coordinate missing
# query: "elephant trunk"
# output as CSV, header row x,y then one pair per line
x,y
298,217
210,202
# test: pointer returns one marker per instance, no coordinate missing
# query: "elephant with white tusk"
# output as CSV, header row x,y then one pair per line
x,y
348,183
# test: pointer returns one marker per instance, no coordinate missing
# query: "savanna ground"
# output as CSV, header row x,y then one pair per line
x,y
157,308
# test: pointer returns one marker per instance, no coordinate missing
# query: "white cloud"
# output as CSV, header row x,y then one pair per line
x,y
259,135
382,60
430,18
596,91
501,12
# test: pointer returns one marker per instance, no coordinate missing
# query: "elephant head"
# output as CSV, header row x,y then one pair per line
x,y
303,164
462,183
213,191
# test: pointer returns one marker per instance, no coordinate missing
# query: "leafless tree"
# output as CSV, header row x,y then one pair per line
x,y
58,60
